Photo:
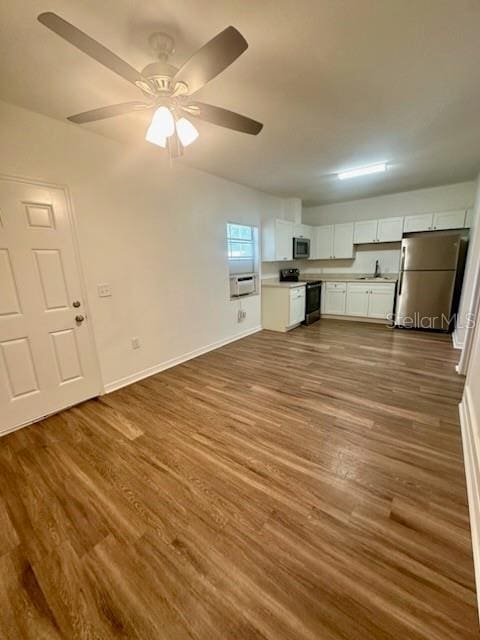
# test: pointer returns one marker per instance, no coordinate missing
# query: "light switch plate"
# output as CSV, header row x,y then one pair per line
x,y
104,290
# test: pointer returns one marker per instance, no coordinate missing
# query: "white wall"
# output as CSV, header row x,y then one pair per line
x,y
471,273
155,233
470,406
365,256
453,196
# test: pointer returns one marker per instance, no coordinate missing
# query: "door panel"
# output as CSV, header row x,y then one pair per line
x,y
52,278
19,367
424,299
9,304
430,251
47,360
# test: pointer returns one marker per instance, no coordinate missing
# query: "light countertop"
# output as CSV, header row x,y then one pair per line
x,y
329,277
275,282
348,277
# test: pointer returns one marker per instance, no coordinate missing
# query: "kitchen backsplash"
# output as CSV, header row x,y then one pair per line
x,y
387,254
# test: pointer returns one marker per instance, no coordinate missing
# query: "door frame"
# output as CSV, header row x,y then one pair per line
x,y
78,263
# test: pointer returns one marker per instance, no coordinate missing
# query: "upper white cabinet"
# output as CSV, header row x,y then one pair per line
x,y
343,240
322,246
365,232
419,222
449,220
302,231
332,242
390,229
277,240
283,240
383,230
455,219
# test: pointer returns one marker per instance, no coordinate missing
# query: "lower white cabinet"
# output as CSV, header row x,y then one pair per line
x,y
360,299
297,306
283,308
380,300
334,298
357,299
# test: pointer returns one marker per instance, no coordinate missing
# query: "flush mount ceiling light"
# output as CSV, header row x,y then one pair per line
x,y
167,89
362,171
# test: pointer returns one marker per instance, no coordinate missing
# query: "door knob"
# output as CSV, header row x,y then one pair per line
x,y
79,319
76,304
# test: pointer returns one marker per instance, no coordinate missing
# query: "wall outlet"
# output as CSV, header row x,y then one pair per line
x,y
241,315
135,343
104,290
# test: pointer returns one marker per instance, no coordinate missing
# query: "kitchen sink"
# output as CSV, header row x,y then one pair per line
x,y
380,279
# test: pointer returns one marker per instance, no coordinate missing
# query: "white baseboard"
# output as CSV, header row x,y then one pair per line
x,y
456,342
471,456
331,316
157,368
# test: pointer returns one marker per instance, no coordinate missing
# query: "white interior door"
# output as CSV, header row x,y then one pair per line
x,y
47,355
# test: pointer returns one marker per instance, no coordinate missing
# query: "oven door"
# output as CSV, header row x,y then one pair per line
x,y
301,248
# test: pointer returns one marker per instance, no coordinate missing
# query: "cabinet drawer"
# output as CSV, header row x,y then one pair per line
x,y
336,286
382,287
297,292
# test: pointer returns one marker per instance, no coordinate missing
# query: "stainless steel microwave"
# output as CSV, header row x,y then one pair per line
x,y
301,248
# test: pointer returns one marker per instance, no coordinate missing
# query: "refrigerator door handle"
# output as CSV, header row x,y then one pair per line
x,y
402,266
400,283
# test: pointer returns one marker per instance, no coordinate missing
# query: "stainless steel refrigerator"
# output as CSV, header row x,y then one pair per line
x,y
431,274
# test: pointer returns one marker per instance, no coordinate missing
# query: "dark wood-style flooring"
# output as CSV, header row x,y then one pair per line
x,y
303,486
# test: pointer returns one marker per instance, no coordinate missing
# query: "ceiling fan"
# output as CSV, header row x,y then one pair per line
x,y
167,89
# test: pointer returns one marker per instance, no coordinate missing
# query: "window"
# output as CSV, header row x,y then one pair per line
x,y
242,248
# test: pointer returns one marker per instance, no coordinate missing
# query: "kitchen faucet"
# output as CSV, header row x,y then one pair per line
x,y
377,273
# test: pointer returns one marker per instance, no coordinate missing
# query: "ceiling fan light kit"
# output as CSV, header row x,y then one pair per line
x,y
166,89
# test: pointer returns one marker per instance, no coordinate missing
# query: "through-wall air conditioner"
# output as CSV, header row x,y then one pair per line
x,y
243,285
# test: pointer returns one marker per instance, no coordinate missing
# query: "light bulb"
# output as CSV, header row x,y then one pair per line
x,y
161,127
186,132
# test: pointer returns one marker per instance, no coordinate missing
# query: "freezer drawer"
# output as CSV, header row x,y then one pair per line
x,y
424,299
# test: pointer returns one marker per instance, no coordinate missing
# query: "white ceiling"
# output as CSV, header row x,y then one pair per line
x,y
337,83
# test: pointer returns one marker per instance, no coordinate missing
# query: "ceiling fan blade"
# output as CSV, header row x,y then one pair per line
x,y
107,112
90,46
212,59
224,118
